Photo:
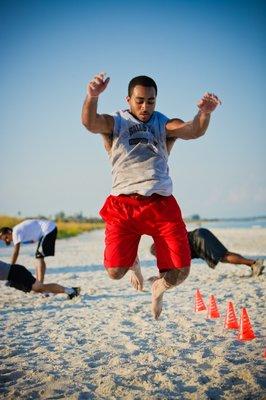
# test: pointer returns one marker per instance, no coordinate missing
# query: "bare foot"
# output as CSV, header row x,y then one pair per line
x,y
136,278
157,290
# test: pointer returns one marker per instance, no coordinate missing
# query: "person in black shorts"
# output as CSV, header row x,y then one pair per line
x,y
41,231
203,244
20,278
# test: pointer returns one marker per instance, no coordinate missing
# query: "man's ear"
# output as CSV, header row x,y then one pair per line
x,y
127,99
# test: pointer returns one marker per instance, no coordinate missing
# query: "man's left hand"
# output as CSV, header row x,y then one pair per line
x,y
208,103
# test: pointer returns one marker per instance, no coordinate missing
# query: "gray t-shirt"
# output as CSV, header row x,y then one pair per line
x,y
4,270
139,156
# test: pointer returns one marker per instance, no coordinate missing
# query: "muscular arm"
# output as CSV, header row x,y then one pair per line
x,y
176,128
94,122
15,253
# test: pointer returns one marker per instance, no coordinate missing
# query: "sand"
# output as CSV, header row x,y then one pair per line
x,y
106,345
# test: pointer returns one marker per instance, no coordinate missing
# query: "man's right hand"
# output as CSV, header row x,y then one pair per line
x,y
97,85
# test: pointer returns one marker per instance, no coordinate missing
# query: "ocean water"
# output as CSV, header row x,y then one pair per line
x,y
237,223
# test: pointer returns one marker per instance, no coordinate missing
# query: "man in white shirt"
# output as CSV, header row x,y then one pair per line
x,y
44,232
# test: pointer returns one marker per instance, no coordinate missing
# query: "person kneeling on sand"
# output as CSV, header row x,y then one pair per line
x,y
203,244
21,278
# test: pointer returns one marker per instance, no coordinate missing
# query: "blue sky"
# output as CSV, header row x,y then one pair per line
x,y
51,49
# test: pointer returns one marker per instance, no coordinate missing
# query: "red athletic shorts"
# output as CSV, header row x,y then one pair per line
x,y
128,217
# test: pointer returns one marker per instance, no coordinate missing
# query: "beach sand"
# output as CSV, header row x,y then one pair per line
x,y
106,345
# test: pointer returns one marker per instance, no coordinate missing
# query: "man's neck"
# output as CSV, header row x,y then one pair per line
x,y
131,113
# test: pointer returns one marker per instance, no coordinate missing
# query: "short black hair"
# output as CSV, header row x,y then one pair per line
x,y
5,230
141,80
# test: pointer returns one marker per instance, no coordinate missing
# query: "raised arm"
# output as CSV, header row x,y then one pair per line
x,y
94,122
177,128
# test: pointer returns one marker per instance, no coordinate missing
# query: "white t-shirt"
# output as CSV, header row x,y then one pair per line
x,y
31,230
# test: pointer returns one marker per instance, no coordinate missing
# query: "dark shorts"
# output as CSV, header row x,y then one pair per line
x,y
204,245
46,245
20,278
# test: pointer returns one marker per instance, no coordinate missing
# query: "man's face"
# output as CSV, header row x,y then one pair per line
x,y
7,238
142,102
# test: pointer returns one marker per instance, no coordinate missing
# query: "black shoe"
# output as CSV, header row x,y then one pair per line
x,y
75,293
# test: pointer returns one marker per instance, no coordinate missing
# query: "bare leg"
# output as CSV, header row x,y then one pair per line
x,y
116,273
40,287
166,281
233,258
40,269
47,287
136,278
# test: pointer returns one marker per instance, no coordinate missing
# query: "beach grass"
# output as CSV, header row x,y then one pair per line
x,y
69,229
65,229
6,220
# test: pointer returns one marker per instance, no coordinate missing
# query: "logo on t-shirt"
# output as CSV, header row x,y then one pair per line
x,y
145,134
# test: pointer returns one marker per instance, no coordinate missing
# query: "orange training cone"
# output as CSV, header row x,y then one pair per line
x,y
230,319
213,311
245,330
199,303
